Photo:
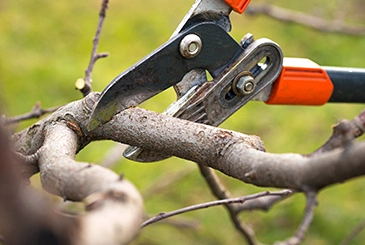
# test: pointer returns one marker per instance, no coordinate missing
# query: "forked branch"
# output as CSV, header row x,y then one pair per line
x,y
56,140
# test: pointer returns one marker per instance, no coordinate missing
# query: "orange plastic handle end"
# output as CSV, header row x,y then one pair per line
x,y
301,82
238,5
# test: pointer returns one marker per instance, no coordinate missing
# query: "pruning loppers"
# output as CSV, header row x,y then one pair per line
x,y
248,70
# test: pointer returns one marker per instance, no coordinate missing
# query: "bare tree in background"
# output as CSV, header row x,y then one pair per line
x,y
114,207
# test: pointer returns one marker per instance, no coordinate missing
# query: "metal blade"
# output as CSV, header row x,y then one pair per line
x,y
202,7
212,103
163,68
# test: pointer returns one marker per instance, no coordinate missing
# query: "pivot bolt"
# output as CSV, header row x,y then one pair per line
x,y
244,84
190,46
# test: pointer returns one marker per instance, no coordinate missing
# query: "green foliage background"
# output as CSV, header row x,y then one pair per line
x,y
45,46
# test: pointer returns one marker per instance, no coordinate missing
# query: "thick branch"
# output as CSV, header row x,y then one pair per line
x,y
56,139
237,155
114,205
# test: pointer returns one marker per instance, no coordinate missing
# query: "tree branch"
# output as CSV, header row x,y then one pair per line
x,y
354,233
304,19
262,203
85,84
344,133
114,206
36,112
220,192
57,138
307,220
162,216
236,155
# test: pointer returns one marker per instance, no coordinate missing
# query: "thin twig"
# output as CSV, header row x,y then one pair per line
x,y
307,220
85,84
263,203
162,216
354,233
220,192
304,19
36,112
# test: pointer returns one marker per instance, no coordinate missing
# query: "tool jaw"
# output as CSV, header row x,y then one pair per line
x,y
202,7
165,67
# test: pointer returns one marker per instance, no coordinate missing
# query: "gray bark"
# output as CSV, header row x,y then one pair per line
x,y
114,206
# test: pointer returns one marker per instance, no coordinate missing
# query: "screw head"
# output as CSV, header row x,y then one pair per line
x,y
190,46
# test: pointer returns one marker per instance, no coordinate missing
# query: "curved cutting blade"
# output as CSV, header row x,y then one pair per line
x,y
162,69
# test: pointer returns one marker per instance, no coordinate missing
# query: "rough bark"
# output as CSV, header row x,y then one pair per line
x,y
114,206
235,154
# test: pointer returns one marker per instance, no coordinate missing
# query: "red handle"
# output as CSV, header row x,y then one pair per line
x,y
301,82
238,5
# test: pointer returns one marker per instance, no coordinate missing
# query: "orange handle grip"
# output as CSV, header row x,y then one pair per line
x,y
238,5
301,82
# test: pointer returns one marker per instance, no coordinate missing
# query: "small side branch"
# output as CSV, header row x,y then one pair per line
x,y
36,112
162,216
85,84
305,19
263,203
344,133
307,220
348,240
220,192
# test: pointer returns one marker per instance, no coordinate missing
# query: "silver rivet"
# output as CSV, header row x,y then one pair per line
x,y
190,46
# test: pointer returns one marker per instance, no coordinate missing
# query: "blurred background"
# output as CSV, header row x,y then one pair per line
x,y
45,46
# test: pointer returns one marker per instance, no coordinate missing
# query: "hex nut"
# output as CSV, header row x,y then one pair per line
x,y
244,85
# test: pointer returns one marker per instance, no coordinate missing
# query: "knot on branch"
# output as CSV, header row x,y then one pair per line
x,y
75,127
344,133
359,122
